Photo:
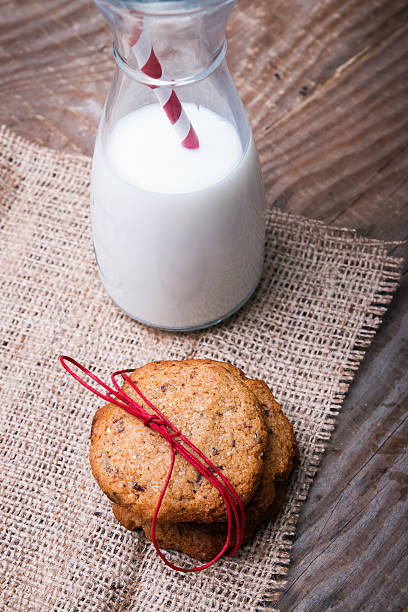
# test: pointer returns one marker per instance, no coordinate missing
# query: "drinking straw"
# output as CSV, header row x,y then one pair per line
x,y
149,64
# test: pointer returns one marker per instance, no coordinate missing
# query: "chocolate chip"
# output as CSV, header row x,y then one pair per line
x,y
199,477
97,513
267,412
139,488
164,387
277,76
215,451
119,424
233,444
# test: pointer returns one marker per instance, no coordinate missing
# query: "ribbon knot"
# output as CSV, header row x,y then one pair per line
x,y
161,424
153,418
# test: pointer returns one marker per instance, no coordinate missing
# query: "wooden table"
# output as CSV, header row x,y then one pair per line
x,y
325,84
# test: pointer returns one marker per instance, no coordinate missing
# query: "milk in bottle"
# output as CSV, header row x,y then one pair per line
x,y
178,233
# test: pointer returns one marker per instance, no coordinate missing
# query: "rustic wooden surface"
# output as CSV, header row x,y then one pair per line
x,y
325,83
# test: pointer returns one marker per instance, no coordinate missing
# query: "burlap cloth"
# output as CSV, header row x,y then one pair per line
x,y
322,296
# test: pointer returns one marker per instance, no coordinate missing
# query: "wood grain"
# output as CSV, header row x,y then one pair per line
x,y
325,84
353,141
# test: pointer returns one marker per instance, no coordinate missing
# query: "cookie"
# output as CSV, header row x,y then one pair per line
x,y
214,408
204,541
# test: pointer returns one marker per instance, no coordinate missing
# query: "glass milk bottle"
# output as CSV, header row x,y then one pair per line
x,y
177,196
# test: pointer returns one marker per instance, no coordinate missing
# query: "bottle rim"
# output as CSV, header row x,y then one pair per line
x,y
141,77
167,8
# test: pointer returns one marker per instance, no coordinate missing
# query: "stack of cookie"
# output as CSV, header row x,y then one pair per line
x,y
233,420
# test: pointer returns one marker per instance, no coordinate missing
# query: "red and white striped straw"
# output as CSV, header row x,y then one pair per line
x,y
150,65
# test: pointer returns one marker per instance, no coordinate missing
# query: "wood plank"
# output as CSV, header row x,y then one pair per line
x,y
55,70
323,157
281,52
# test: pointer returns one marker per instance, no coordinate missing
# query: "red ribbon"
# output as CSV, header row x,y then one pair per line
x,y
177,443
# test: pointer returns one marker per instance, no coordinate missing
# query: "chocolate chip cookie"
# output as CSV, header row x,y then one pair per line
x,y
214,408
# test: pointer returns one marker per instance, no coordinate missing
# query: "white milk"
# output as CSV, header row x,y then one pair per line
x,y
178,234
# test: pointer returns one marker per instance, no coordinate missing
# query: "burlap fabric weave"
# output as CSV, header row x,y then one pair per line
x,y
319,303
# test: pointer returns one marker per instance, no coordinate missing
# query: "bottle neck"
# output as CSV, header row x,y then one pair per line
x,y
168,48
